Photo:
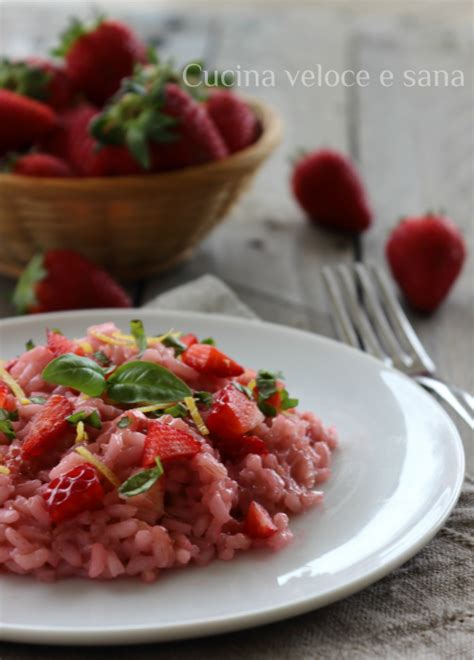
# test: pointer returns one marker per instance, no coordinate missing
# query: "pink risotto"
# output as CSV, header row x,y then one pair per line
x,y
126,454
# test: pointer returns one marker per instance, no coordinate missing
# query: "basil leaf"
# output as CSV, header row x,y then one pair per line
x,y
287,402
173,342
7,429
208,340
205,398
38,399
244,389
267,409
78,372
12,415
142,481
138,333
179,410
124,422
145,382
30,344
267,383
101,358
92,419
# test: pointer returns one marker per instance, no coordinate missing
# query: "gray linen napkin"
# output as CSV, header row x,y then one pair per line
x,y
425,609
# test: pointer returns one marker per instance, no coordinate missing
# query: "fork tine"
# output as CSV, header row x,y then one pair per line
x,y
379,320
369,341
400,321
343,323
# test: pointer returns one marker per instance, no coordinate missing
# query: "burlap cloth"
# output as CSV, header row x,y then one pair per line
x,y
425,609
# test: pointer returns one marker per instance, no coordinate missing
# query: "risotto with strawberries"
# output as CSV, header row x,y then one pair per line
x,y
126,454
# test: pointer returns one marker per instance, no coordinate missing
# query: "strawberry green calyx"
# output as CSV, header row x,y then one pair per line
x,y
73,32
24,78
135,117
24,296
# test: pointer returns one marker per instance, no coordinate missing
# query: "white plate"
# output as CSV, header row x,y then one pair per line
x,y
396,477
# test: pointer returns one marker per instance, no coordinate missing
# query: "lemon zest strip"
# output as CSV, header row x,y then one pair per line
x,y
14,386
107,472
156,406
81,433
194,412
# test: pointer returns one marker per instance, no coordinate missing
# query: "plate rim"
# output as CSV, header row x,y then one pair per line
x,y
106,635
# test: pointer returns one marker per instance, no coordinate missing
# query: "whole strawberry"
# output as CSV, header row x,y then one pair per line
x,y
98,57
73,142
329,189
40,165
426,255
234,118
60,90
39,79
162,125
22,121
63,279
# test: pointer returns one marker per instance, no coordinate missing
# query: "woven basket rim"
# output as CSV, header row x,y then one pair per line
x,y
268,139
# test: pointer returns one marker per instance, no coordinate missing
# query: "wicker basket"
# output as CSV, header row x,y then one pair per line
x,y
134,226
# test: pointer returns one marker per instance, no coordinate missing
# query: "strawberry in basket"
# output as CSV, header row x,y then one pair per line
x,y
38,79
38,164
99,56
162,125
22,121
73,142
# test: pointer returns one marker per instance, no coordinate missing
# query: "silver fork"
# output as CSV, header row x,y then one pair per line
x,y
368,315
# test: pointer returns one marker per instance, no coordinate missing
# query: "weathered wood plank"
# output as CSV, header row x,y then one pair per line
x,y
266,245
416,153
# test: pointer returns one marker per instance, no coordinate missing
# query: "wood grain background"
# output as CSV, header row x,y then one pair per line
x,y
414,147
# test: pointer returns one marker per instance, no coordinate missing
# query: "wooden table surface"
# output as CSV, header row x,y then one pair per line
x,y
414,147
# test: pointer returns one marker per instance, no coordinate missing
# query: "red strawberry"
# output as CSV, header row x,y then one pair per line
x,y
209,360
60,91
63,279
426,255
258,522
198,140
99,57
7,400
41,165
232,414
47,427
39,79
74,142
78,490
58,344
164,128
189,339
329,189
234,118
236,449
22,121
167,442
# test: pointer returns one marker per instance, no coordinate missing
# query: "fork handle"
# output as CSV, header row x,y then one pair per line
x,y
450,396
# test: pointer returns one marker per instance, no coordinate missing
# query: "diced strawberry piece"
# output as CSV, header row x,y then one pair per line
x,y
237,448
274,400
47,426
208,360
189,339
258,522
76,491
59,344
232,414
7,400
167,442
